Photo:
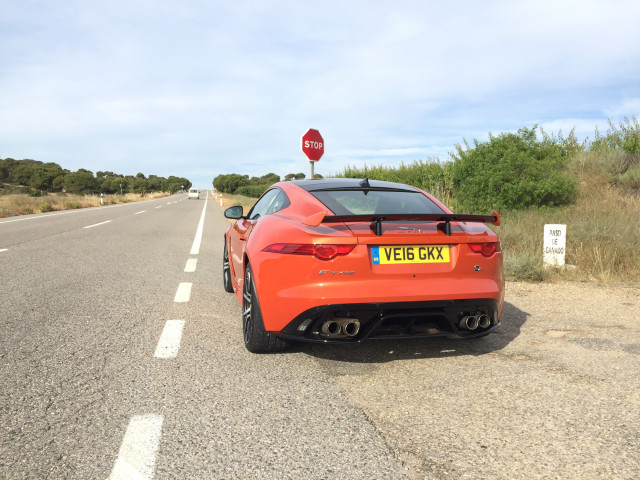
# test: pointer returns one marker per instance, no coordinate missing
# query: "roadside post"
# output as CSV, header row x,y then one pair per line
x,y
555,245
312,147
102,199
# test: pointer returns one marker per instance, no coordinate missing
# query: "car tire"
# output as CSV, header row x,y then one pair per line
x,y
226,270
256,338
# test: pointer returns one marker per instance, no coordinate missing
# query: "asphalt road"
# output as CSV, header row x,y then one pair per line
x,y
115,362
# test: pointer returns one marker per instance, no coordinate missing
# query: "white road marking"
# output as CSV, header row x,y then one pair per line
x,y
184,292
96,224
141,211
3,249
160,206
169,342
195,248
190,267
137,457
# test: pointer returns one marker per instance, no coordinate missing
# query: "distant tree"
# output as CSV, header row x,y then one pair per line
x,y
22,173
175,184
139,185
154,183
269,179
230,183
51,176
81,181
294,176
115,185
58,183
6,169
43,175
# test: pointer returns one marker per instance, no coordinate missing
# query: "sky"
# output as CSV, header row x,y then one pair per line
x,y
201,88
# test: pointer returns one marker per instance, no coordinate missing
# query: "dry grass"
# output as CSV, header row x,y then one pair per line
x,y
229,200
603,234
21,204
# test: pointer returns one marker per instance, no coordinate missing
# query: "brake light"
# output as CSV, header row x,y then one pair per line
x,y
486,249
321,251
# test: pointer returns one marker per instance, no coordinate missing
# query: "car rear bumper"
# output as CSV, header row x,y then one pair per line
x,y
357,322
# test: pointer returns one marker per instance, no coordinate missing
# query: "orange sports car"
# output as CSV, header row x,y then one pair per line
x,y
343,260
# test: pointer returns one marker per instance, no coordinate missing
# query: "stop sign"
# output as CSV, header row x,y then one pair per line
x,y
313,145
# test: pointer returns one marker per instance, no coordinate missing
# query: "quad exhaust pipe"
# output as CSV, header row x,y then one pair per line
x,y
470,322
331,328
340,327
473,322
484,321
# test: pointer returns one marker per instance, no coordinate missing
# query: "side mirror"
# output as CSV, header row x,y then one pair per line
x,y
234,213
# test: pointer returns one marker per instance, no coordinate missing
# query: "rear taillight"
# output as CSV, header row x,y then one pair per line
x,y
323,252
486,249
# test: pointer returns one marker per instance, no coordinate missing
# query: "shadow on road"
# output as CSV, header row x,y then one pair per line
x,y
380,351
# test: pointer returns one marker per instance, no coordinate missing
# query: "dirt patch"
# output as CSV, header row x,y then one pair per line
x,y
554,393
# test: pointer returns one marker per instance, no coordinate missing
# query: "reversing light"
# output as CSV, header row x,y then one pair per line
x,y
321,251
486,249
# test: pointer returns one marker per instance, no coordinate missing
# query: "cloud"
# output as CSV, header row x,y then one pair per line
x,y
231,86
627,108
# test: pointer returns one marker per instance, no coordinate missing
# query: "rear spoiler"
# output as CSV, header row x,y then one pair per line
x,y
444,219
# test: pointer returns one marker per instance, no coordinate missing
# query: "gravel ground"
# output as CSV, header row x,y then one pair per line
x,y
554,393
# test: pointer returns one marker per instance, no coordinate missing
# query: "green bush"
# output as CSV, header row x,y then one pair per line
x,y
251,190
430,176
46,207
512,171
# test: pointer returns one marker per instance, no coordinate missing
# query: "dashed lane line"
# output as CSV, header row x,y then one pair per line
x,y
141,211
96,224
3,249
184,292
137,457
190,267
169,342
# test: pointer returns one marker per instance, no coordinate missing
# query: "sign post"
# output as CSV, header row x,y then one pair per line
x,y
555,245
312,147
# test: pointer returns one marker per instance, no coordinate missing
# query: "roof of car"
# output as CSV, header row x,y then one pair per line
x,y
330,183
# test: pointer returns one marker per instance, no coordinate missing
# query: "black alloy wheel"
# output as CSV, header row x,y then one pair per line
x,y
226,270
256,338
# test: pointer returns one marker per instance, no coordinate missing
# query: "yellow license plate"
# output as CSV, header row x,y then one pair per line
x,y
395,254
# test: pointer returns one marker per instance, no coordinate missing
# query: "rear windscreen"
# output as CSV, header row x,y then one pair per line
x,y
375,202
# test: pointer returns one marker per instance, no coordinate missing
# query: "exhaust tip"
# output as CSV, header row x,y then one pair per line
x,y
484,321
331,327
351,328
470,322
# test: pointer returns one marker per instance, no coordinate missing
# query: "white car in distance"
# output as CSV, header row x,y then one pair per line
x,y
193,193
